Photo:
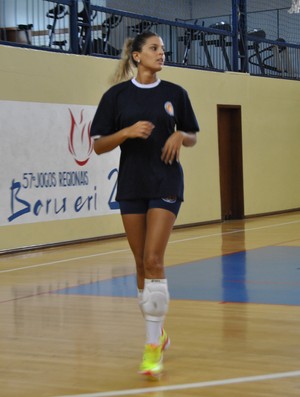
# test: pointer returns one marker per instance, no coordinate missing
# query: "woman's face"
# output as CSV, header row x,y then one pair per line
x,y
152,56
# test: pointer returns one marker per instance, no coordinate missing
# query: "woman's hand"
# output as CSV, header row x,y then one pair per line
x,y
141,129
171,150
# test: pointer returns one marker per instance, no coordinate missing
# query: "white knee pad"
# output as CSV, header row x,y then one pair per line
x,y
155,300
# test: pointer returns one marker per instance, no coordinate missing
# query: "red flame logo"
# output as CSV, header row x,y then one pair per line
x,y
80,142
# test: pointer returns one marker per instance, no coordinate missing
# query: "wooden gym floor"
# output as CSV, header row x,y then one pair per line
x,y
70,323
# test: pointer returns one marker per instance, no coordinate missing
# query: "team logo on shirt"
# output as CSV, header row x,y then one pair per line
x,y
169,108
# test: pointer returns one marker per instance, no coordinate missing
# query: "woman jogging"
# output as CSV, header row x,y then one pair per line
x,y
150,119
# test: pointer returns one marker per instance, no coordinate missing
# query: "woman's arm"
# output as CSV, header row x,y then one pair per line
x,y
189,138
106,143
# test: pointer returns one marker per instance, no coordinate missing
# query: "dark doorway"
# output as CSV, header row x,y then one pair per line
x,y
230,161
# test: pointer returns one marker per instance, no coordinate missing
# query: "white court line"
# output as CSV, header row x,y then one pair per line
x,y
235,231
127,249
63,260
132,392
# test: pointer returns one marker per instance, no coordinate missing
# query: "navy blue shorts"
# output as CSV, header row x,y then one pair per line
x,y
143,205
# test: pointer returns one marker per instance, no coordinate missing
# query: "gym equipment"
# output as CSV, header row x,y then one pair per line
x,y
56,13
273,57
101,45
26,29
205,40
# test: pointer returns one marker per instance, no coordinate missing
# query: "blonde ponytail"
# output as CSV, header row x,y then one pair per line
x,y
125,66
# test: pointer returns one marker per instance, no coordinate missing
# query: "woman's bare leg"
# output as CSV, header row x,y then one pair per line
x,y
135,228
148,236
159,227
156,293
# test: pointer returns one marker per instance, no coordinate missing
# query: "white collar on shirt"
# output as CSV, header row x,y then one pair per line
x,y
152,85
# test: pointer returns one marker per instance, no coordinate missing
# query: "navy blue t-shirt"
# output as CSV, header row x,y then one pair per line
x,y
142,173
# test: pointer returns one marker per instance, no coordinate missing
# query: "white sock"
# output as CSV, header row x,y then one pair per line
x,y
153,332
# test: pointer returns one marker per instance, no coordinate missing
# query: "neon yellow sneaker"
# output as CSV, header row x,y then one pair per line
x,y
152,365
164,340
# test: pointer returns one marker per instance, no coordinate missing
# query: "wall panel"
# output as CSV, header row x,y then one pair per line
x,y
270,130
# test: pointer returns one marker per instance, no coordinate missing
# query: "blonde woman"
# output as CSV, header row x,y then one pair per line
x,y
150,119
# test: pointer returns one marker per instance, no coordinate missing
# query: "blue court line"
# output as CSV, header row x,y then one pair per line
x,y
266,275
